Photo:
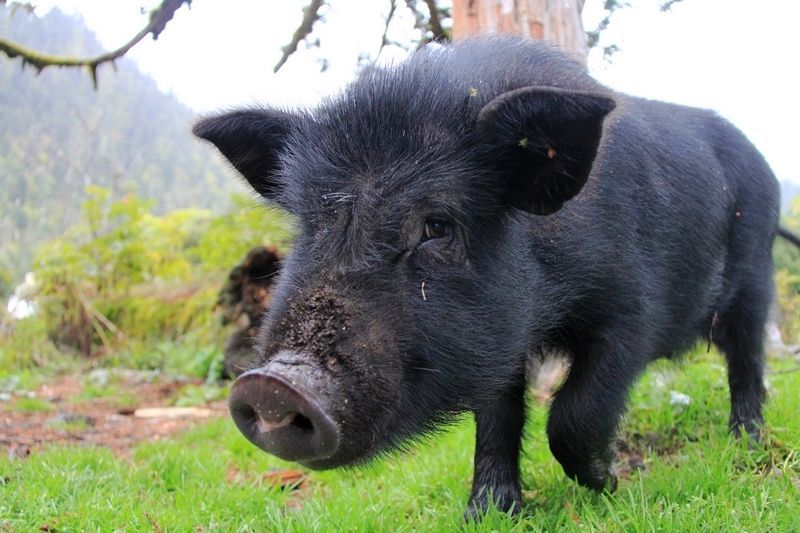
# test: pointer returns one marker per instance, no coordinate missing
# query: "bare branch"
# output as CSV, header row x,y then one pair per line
x,y
419,19
430,25
27,6
593,37
435,21
666,6
159,18
310,16
789,236
389,17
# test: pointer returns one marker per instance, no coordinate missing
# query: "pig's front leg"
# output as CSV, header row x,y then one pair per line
x,y
587,408
499,431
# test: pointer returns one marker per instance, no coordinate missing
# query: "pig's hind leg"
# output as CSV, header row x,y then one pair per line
x,y
739,334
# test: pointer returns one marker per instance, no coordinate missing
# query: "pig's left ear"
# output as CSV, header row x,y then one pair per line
x,y
252,140
543,142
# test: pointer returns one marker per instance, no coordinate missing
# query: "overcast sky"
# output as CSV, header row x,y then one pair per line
x,y
739,57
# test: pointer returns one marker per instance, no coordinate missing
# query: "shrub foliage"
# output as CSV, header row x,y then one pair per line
x,y
124,276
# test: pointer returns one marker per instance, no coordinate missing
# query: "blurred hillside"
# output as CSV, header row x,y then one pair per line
x,y
58,136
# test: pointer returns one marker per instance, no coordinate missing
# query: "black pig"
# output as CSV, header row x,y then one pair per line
x,y
473,206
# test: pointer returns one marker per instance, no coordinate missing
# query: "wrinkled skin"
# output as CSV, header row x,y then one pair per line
x,y
461,211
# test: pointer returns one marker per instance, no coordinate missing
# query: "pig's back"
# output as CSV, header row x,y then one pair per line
x,y
686,206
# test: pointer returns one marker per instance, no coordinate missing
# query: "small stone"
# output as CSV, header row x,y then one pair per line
x,y
678,398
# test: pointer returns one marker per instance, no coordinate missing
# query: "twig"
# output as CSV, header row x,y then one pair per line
x,y
666,6
27,6
384,40
153,523
419,19
435,21
159,18
98,320
432,24
593,36
789,235
310,16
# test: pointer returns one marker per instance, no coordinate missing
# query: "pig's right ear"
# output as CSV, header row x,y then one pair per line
x,y
252,141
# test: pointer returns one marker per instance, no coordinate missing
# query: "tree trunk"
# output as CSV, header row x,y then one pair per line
x,y
558,21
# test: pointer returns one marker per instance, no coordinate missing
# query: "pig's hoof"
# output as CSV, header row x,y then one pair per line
x,y
598,478
749,428
505,498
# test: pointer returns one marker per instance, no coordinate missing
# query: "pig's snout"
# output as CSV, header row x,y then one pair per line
x,y
282,417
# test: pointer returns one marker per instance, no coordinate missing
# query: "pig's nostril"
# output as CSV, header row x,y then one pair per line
x,y
301,422
276,415
295,419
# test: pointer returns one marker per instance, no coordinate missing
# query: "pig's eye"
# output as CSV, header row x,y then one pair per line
x,y
436,228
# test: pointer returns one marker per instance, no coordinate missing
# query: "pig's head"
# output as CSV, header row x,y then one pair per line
x,y
411,293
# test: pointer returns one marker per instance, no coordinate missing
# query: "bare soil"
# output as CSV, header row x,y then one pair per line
x,y
634,448
108,421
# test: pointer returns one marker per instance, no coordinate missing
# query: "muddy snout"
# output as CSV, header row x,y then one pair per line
x,y
279,409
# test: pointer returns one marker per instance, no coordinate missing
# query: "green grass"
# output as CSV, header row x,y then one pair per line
x,y
697,478
191,395
33,405
76,425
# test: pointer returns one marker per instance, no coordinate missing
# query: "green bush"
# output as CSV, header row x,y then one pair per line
x,y
227,238
123,276
6,283
787,278
25,344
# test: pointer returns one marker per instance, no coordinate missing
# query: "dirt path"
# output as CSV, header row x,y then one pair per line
x,y
66,411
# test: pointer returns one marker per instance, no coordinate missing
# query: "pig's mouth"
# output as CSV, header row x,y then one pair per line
x,y
280,416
